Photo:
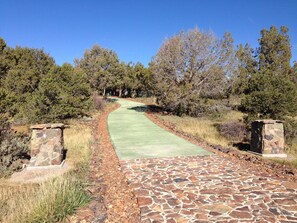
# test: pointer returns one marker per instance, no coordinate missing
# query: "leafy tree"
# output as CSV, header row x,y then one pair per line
x,y
293,73
2,45
63,93
2,60
136,80
275,50
270,96
143,78
190,66
99,64
34,89
246,66
22,69
270,92
7,100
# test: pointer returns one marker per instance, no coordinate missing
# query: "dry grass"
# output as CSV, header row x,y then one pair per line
x,y
198,127
21,128
148,100
204,127
53,200
77,140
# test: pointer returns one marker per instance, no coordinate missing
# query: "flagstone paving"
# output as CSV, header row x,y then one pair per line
x,y
208,189
176,181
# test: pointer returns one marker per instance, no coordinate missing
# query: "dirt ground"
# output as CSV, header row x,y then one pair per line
x,y
112,198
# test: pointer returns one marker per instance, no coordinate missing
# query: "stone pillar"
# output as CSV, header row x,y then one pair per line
x,y
47,144
268,138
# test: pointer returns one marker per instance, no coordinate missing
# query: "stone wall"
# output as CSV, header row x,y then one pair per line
x,y
47,144
268,138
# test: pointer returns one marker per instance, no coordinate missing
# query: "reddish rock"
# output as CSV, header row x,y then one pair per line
x,y
141,192
245,208
285,201
144,201
193,179
173,202
144,210
240,214
213,213
201,216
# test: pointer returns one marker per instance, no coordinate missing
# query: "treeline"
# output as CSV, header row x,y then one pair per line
x,y
194,67
189,70
109,76
35,89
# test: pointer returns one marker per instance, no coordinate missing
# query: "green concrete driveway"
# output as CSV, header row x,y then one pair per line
x,y
135,136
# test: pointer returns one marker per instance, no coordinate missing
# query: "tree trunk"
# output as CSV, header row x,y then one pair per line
x,y
120,93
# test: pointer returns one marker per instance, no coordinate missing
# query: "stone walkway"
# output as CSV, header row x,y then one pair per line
x,y
177,181
208,189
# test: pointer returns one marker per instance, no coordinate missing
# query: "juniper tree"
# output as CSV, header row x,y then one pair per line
x,y
270,92
99,64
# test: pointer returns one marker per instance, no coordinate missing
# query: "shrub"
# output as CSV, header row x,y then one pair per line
x,y
62,94
13,148
290,126
98,102
270,96
234,131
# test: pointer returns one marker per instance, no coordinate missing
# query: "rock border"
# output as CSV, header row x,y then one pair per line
x,y
244,159
112,197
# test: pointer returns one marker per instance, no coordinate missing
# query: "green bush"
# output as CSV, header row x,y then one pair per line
x,y
63,94
13,148
270,96
98,102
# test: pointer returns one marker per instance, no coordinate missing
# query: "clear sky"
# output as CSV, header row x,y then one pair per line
x,y
135,29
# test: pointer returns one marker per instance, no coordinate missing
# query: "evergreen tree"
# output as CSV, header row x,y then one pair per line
x,y
63,93
246,66
100,65
271,91
21,71
275,50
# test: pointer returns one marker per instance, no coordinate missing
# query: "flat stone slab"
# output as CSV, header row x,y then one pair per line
x,y
135,136
49,126
208,189
39,174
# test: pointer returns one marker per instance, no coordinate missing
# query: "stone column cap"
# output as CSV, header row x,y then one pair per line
x,y
268,121
49,126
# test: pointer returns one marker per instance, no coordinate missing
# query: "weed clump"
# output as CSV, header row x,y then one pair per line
x,y
13,148
233,130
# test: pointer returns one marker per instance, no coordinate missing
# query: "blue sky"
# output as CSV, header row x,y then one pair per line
x,y
135,29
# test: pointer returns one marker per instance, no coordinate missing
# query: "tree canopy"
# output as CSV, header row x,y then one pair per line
x,y
190,66
188,69
33,88
269,80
